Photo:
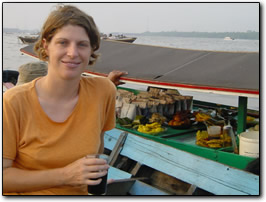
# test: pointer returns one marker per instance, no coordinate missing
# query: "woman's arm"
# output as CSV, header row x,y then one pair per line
x,y
77,173
115,76
18,180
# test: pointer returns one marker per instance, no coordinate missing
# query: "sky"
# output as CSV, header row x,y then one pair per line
x,y
142,17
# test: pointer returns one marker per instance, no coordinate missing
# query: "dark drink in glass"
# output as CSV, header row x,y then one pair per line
x,y
99,189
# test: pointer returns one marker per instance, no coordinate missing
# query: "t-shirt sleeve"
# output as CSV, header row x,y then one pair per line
x,y
10,127
110,107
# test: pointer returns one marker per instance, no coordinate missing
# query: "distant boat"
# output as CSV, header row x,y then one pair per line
x,y
120,38
126,39
28,39
228,38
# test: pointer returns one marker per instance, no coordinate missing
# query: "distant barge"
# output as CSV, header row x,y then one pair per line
x,y
28,39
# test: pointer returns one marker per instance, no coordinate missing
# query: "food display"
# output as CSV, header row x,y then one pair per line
x,y
148,111
202,117
181,120
162,112
203,139
161,101
141,124
153,128
156,117
132,124
167,117
214,136
137,110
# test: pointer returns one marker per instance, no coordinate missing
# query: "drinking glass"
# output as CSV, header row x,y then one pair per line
x,y
101,188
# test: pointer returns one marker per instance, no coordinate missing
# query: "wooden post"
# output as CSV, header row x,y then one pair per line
x,y
242,114
136,169
117,149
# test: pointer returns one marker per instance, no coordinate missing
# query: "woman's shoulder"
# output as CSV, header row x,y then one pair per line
x,y
18,91
102,82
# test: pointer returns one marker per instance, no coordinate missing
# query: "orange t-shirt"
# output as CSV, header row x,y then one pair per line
x,y
35,142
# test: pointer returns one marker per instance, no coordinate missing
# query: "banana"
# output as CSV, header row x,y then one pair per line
x,y
200,117
150,128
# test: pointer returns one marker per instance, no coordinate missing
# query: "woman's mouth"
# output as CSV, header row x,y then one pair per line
x,y
71,64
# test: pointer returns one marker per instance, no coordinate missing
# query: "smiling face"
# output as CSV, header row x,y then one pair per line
x,y
69,52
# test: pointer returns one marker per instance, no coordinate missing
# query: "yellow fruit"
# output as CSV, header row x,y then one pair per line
x,y
214,145
201,135
158,130
200,117
150,128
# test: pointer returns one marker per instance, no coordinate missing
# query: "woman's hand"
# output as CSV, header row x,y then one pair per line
x,y
85,171
115,76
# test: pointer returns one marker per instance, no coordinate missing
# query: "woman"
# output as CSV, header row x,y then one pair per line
x,y
53,122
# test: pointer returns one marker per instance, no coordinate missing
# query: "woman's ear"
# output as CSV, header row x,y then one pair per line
x,y
45,46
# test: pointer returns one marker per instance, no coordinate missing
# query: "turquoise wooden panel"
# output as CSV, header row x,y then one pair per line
x,y
116,174
204,173
110,141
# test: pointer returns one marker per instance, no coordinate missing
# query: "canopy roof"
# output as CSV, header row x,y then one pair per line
x,y
214,71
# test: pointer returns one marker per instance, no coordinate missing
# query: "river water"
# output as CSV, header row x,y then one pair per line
x,y
13,58
213,44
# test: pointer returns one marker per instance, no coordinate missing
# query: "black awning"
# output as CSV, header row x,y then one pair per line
x,y
236,71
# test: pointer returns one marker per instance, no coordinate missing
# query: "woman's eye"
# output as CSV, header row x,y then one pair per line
x,y
62,42
83,44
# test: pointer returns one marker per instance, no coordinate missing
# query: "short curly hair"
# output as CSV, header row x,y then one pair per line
x,y
62,16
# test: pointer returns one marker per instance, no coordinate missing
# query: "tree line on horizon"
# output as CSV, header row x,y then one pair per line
x,y
251,35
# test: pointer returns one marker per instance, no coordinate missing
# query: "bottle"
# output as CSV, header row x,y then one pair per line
x,y
228,131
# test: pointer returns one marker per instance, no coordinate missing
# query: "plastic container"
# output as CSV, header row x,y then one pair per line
x,y
214,131
249,144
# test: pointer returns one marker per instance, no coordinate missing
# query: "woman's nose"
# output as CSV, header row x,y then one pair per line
x,y
72,50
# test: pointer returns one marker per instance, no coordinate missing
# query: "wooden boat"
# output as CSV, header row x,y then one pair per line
x,y
120,38
218,171
28,39
126,39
